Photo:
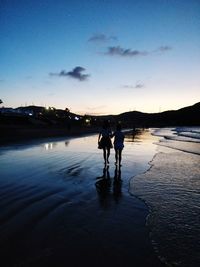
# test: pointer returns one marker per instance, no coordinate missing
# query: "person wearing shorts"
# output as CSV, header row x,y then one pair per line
x,y
104,141
118,144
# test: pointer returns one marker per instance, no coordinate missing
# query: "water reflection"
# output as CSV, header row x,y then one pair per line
x,y
66,143
133,136
117,185
49,146
109,189
44,186
52,145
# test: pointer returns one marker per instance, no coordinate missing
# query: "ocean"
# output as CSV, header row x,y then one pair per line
x,y
171,190
186,139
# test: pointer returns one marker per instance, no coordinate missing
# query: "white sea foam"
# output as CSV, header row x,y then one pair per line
x,y
186,139
171,189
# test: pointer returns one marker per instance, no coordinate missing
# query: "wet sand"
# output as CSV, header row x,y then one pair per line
x,y
15,133
171,190
61,207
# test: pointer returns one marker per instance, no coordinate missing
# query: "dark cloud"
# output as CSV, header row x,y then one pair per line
x,y
102,38
119,51
139,85
76,73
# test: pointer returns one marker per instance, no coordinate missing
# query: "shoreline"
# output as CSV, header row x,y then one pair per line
x,y
171,170
13,135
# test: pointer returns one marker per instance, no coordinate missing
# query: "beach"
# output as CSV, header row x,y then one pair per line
x,y
60,206
171,189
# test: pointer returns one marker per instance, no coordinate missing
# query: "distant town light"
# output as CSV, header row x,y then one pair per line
x,y
77,118
48,146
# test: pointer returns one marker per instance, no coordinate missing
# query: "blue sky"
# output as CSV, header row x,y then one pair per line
x,y
100,57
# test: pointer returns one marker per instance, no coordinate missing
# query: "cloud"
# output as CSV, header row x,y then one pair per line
x,y
99,110
119,51
137,86
128,86
101,38
164,48
76,73
97,107
93,110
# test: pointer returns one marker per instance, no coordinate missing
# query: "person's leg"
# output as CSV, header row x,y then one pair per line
x,y
108,154
116,156
120,156
104,155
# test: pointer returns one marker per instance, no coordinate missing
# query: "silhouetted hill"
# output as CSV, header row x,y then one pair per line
x,y
37,122
185,116
40,117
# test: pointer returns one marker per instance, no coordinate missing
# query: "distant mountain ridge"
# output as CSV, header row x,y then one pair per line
x,y
185,116
37,122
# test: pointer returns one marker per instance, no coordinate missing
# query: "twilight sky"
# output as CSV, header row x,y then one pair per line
x,y
100,56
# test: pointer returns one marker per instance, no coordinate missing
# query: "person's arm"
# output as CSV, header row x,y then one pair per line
x,y
99,137
112,134
123,137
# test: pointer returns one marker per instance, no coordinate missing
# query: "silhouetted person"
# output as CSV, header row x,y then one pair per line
x,y
104,141
118,144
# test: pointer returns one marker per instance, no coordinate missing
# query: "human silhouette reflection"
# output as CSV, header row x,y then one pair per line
x,y
103,185
117,184
107,188
130,136
50,145
66,143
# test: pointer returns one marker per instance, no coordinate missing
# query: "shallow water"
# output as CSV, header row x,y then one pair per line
x,y
171,189
60,206
186,139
